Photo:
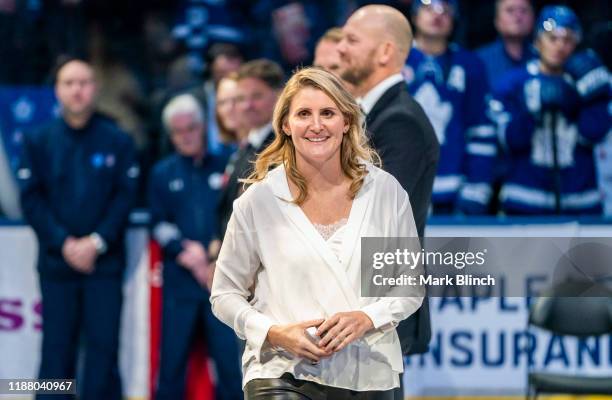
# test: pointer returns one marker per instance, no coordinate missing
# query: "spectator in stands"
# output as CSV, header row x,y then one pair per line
x,y
202,23
183,193
231,126
552,112
232,131
120,95
259,83
513,48
286,31
373,50
327,55
180,80
78,181
448,82
287,279
224,59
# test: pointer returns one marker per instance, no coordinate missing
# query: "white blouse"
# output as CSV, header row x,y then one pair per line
x,y
275,268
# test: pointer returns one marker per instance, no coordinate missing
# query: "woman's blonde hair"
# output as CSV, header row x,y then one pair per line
x,y
354,151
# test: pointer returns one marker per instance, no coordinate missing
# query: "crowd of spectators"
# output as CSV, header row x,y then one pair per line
x,y
145,53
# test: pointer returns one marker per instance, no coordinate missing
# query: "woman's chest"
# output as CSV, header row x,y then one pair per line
x,y
327,209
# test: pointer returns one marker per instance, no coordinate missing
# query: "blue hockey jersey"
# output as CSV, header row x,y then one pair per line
x,y
453,90
534,185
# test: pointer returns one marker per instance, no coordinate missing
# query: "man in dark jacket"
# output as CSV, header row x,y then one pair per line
x,y
183,193
373,51
259,83
78,180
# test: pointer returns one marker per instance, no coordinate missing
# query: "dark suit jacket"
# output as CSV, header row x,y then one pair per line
x,y
240,165
403,136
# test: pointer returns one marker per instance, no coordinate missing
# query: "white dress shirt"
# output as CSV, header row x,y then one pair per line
x,y
275,268
257,136
368,101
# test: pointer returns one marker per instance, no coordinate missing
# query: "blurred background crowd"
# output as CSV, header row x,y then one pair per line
x,y
145,52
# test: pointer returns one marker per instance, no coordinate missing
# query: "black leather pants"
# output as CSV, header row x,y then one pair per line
x,y
288,388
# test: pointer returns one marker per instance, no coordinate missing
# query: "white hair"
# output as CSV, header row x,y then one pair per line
x,y
182,104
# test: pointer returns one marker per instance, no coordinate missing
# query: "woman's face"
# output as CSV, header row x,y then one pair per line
x,y
316,126
227,95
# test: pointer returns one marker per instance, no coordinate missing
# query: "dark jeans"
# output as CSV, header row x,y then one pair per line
x,y
288,388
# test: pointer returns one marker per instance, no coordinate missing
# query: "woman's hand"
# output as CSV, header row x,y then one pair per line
x,y
342,328
295,339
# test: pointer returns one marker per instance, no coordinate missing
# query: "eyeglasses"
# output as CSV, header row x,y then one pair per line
x,y
231,101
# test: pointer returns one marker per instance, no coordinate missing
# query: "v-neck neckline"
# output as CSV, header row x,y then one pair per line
x,y
313,229
356,216
338,265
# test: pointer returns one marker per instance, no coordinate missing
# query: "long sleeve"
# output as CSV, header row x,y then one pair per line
x,y
235,272
34,201
410,151
387,312
125,186
402,154
594,121
515,124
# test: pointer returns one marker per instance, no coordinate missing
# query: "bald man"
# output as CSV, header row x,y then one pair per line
x,y
78,181
373,51
374,47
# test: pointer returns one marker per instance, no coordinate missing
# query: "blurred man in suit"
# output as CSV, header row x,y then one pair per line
x,y
259,83
373,51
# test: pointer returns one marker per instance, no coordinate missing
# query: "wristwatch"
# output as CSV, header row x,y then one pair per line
x,y
98,242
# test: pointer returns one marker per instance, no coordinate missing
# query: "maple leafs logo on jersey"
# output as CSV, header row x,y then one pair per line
x,y
542,148
438,111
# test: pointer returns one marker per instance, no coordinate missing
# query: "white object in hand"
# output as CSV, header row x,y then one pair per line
x,y
312,334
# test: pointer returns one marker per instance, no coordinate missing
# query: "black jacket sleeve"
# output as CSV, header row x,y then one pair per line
x,y
409,151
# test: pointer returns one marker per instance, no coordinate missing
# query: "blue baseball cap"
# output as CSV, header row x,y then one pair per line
x,y
558,18
417,4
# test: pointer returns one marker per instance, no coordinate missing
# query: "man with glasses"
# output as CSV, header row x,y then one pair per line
x,y
259,84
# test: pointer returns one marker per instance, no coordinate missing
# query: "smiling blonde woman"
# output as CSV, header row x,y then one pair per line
x,y
288,275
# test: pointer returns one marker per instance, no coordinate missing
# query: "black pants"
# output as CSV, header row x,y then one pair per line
x,y
85,305
288,388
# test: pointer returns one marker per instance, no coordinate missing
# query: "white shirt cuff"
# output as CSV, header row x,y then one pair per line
x,y
256,330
